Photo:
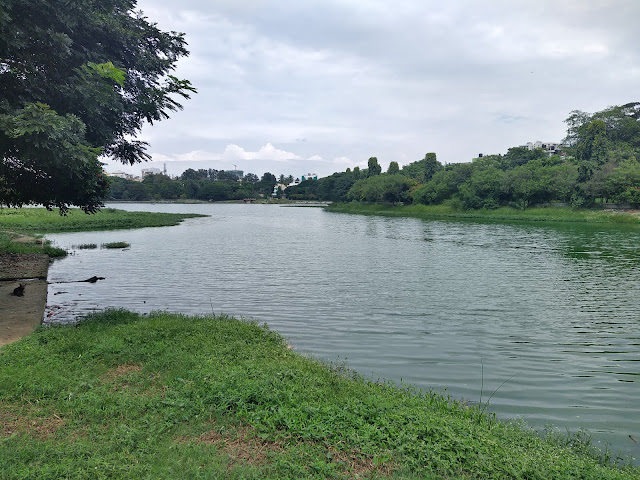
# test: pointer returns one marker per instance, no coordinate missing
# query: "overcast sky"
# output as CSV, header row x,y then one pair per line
x,y
321,85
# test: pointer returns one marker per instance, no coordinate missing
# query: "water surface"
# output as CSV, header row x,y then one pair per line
x,y
545,318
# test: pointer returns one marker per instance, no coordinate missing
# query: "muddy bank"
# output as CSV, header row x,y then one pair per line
x,y
20,315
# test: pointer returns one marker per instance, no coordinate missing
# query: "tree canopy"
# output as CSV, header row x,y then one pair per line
x,y
78,80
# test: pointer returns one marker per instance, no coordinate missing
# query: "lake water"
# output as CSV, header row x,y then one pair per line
x,y
544,317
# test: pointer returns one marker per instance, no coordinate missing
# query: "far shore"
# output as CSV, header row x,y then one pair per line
x,y
534,214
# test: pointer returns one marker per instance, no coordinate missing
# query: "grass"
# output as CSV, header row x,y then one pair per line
x,y
132,396
536,214
8,245
37,221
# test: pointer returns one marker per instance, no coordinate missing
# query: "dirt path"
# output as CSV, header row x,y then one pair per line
x,y
19,316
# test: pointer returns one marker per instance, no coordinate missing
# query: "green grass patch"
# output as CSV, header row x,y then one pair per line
x,y
536,214
132,396
116,245
8,245
36,221
42,221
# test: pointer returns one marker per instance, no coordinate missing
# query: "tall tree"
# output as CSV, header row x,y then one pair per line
x,y
393,168
78,80
374,167
431,166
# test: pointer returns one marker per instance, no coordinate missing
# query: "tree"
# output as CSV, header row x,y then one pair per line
x,y
374,167
382,188
251,178
393,168
78,80
266,184
431,166
190,174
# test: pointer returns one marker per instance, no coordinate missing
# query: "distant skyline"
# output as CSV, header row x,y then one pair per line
x,y
319,86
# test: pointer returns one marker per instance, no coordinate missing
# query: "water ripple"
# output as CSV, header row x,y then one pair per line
x,y
546,318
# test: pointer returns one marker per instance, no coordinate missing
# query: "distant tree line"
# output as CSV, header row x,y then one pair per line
x,y
598,164
201,184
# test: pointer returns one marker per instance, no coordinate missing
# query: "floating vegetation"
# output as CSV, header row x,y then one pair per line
x,y
116,245
86,246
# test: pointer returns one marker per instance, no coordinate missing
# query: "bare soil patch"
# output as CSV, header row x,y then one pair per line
x,y
121,371
242,445
42,428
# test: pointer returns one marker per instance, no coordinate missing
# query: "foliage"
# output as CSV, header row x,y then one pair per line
x,y
133,396
393,169
382,189
47,160
206,185
431,166
374,167
77,81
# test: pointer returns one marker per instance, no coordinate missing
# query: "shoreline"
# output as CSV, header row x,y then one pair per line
x,y
20,316
547,214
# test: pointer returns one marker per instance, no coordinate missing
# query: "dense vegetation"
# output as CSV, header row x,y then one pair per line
x,y
78,80
167,396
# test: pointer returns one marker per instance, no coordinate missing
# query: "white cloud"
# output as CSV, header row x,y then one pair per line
x,y
268,152
389,80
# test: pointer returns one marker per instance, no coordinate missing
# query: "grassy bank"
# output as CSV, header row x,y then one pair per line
x,y
166,396
15,223
537,214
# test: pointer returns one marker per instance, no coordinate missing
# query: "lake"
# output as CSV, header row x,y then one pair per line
x,y
543,319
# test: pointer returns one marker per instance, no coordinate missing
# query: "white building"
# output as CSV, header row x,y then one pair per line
x,y
551,148
150,171
124,175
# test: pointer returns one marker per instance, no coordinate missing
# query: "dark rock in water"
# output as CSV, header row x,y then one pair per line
x,y
93,279
19,291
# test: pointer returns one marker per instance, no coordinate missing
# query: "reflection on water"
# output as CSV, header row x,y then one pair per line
x,y
551,310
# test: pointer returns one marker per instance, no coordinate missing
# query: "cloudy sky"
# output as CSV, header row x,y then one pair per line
x,y
322,85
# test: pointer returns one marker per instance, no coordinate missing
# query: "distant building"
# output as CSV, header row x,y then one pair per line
x,y
310,176
277,186
150,171
124,175
552,148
